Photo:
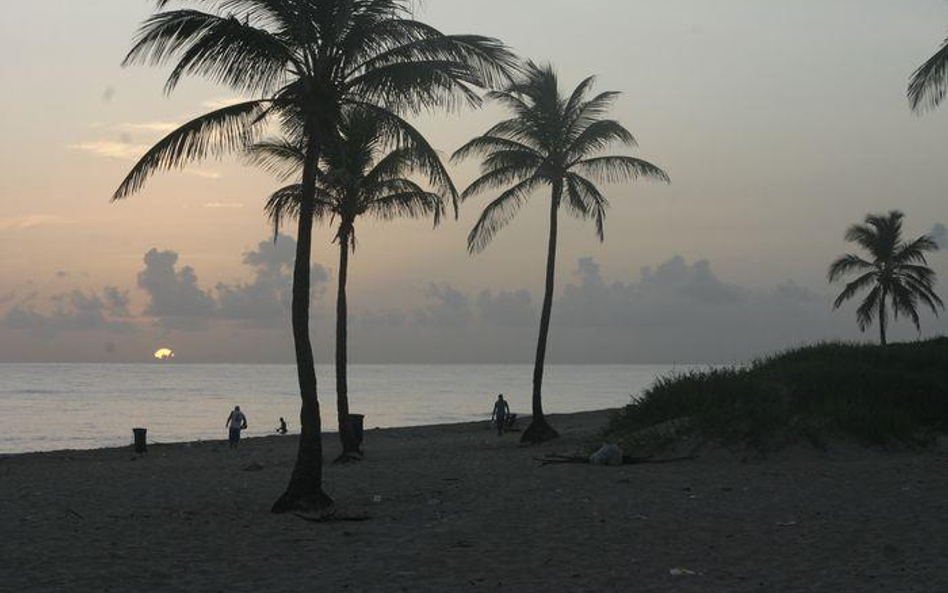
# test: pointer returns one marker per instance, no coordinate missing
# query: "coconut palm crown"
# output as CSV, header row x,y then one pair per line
x,y
551,141
301,63
896,275
362,175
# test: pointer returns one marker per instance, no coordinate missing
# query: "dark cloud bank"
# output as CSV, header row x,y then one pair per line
x,y
674,312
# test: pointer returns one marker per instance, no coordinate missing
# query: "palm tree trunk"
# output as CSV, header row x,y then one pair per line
x,y
882,319
350,449
305,490
539,430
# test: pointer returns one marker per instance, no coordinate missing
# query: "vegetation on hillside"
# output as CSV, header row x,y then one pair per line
x,y
876,395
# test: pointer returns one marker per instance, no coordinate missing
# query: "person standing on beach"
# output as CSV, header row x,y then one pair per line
x,y
235,423
500,413
282,428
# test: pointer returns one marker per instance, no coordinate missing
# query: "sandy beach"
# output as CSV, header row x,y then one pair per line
x,y
454,508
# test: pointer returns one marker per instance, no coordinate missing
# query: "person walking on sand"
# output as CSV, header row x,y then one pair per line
x,y
235,423
282,428
500,413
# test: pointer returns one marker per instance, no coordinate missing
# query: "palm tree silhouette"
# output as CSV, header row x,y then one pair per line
x,y
550,141
306,61
362,175
929,82
897,270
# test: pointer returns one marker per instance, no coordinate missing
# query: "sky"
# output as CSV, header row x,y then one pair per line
x,y
780,125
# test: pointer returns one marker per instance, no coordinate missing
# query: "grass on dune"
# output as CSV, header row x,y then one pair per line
x,y
875,395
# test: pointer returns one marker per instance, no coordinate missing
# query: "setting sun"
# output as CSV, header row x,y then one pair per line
x,y
164,354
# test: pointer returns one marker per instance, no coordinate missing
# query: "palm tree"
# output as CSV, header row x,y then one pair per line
x,y
929,82
551,140
363,175
305,61
897,270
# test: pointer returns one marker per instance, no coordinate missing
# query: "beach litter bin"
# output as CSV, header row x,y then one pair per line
x,y
356,424
141,445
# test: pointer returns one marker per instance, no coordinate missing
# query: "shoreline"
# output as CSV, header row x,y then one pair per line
x,y
522,422
455,508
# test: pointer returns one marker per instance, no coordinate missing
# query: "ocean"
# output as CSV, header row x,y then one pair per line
x,y
47,407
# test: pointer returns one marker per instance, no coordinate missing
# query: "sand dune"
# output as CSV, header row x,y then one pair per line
x,y
454,508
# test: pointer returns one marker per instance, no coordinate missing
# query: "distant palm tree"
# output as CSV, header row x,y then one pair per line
x,y
930,81
362,175
897,270
551,140
305,61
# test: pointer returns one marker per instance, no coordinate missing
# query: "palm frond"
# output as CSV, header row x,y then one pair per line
x,y
284,205
914,252
598,136
223,49
905,303
855,287
846,264
618,169
868,308
411,204
584,199
399,132
499,178
485,145
498,213
928,84
278,156
926,292
230,129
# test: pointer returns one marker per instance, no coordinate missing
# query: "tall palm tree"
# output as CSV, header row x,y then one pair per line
x,y
363,175
304,61
551,140
929,82
896,271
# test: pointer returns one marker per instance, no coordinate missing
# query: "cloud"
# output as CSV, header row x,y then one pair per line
x,y
221,102
507,309
125,151
175,298
940,234
116,301
677,311
224,205
158,127
203,174
73,310
265,301
445,307
178,302
30,221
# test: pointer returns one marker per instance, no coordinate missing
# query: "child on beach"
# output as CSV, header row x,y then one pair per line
x,y
235,423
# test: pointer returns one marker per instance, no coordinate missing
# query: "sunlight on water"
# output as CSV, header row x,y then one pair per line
x,y
80,406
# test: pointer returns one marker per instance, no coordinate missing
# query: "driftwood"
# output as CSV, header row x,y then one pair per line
x,y
334,518
626,459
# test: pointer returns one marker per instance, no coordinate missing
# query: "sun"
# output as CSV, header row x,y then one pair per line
x,y
164,354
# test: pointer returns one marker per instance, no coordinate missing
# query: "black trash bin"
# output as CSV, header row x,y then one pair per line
x,y
356,424
141,445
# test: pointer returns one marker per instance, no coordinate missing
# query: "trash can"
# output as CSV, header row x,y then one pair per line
x,y
356,423
141,446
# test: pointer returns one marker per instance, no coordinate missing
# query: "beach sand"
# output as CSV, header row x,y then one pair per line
x,y
454,508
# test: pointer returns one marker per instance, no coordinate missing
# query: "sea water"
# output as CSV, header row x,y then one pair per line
x,y
45,407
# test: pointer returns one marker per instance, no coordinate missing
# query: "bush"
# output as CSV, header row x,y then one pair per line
x,y
877,395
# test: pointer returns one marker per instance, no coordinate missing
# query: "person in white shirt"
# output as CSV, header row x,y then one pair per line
x,y
235,423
